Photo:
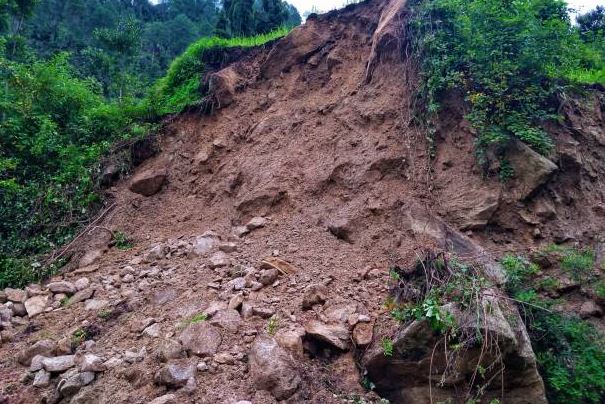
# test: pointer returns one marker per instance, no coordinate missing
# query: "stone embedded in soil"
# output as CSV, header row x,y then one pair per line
x,y
201,339
45,347
59,363
149,182
263,312
165,399
273,369
228,247
334,334
236,301
42,378
170,349
363,334
73,382
62,287
256,223
15,295
229,320
92,363
204,244
590,309
224,358
268,276
82,284
3,297
90,258
340,229
314,294
153,331
175,374
236,284
219,260
82,295
240,231
36,305
214,307
96,304
291,340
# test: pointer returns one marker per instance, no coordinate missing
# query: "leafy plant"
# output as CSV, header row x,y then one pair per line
x,y
78,336
272,325
122,241
387,346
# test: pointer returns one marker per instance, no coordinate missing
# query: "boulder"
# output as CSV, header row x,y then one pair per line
x,y
19,310
90,257
228,319
92,363
201,339
82,295
36,305
218,260
336,335
532,170
42,378
175,374
59,363
45,347
72,382
65,287
170,349
291,340
268,276
96,304
363,334
149,182
314,294
273,369
15,295
82,283
590,309
222,86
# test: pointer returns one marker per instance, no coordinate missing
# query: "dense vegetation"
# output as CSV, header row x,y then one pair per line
x,y
75,78
511,60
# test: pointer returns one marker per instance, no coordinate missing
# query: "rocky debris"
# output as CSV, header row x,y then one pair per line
x,y
149,182
590,309
205,243
532,170
314,294
236,284
90,258
336,335
363,333
165,399
201,339
214,307
170,349
96,304
256,223
82,295
42,378
228,247
236,302
113,363
175,374
65,287
132,356
15,295
219,260
153,331
240,231
224,358
73,381
291,340
82,283
59,363
91,363
45,348
268,276
229,320
36,305
340,229
273,369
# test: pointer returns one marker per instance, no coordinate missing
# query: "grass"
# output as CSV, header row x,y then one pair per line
x,y
387,346
122,241
198,318
181,87
272,325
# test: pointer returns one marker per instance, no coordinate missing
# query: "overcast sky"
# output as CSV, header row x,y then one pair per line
x,y
326,5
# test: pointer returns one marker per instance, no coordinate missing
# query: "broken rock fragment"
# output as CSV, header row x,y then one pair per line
x,y
149,182
273,369
334,334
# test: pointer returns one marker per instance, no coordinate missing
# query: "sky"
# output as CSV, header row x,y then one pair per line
x,y
326,5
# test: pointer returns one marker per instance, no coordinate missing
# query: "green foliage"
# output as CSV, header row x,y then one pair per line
x,y
387,346
181,87
272,325
578,263
570,351
78,336
510,59
121,241
198,318
600,289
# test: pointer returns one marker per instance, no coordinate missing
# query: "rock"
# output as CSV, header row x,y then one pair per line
x,y
3,297
268,276
15,295
45,347
149,182
224,358
263,312
222,85
170,349
165,399
42,378
240,231
291,340
340,312
96,304
19,310
36,363
36,305
218,260
82,284
214,307
314,294
175,374
59,363
363,333
236,301
236,284
334,334
201,339
590,309
113,363
71,384
228,247
256,223
92,363
62,287
90,258
229,320
81,296
272,368
204,244
153,331
532,170
133,356
472,208
340,229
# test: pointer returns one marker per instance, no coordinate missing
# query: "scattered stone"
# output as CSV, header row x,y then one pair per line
x,y
291,340
149,182
204,244
314,294
90,258
255,286
228,247
201,339
153,331
36,305
165,399
363,334
19,310
70,385
219,260
340,312
42,378
272,368
214,307
256,223
82,295
36,363
229,320
59,363
45,347
62,287
133,356
236,302
268,276
170,349
334,334
202,366
236,284
96,304
224,358
590,309
175,374
92,363
263,312
15,295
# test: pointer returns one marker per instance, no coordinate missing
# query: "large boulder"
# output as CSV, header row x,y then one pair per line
x,y
36,305
201,339
273,369
222,86
149,182
532,170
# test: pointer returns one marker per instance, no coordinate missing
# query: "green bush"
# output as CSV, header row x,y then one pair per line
x,y
181,87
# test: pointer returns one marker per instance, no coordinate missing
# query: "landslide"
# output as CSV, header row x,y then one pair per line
x,y
310,144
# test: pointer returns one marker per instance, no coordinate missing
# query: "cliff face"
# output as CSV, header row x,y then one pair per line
x,y
264,233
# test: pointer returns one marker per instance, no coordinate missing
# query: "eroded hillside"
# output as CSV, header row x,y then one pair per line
x,y
264,233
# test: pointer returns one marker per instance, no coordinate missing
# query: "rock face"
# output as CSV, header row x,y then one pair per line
x,y
201,339
149,182
272,368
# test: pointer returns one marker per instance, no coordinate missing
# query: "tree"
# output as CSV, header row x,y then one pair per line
x,y
273,14
592,24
